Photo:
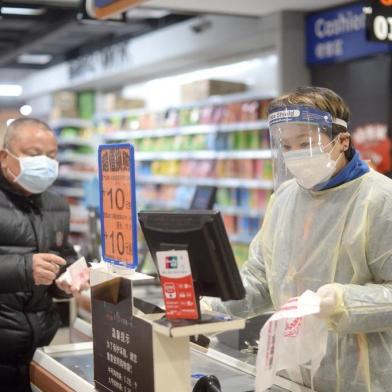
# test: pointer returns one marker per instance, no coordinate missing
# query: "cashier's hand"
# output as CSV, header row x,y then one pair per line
x,y
328,300
46,267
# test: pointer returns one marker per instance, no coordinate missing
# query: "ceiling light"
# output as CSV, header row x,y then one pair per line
x,y
25,110
22,11
143,13
39,59
10,90
9,121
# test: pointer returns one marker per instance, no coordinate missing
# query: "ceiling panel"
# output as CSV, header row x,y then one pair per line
x,y
243,7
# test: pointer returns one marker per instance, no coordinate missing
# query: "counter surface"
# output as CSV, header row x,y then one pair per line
x,y
72,364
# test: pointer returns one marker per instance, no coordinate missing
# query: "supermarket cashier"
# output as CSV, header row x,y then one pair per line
x,y
327,228
34,249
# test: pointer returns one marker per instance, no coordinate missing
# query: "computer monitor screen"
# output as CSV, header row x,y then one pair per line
x,y
202,234
203,198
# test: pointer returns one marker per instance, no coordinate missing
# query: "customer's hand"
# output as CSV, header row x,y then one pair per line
x,y
70,289
46,267
328,300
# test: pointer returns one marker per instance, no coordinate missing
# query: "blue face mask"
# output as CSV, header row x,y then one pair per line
x,y
37,173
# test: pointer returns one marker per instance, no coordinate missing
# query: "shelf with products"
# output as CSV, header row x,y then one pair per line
x,y
188,130
206,181
242,209
69,191
206,116
77,144
202,155
219,142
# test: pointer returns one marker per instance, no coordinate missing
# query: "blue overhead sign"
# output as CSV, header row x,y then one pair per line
x,y
338,35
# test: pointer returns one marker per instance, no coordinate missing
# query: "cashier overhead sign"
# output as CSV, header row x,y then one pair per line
x,y
104,9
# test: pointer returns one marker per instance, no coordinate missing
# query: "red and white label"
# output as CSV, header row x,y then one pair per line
x,y
292,327
177,285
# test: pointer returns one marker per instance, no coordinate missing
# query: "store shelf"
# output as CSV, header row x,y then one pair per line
x,y
120,114
69,191
184,130
194,181
78,158
77,175
161,132
240,211
71,122
79,228
75,141
240,238
205,154
79,211
243,126
163,204
225,210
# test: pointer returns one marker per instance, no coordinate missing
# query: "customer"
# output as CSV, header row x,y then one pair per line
x,y
328,230
34,226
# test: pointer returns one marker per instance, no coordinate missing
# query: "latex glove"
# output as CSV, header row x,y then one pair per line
x,y
328,300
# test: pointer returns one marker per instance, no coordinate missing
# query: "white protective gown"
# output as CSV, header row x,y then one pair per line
x,y
341,235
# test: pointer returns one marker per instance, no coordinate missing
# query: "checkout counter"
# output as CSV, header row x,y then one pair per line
x,y
231,357
68,368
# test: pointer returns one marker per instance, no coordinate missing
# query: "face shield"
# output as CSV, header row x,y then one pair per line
x,y
301,143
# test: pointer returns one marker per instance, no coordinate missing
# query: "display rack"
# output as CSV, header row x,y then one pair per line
x,y
221,142
77,156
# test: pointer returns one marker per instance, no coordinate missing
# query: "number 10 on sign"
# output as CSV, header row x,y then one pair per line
x,y
118,204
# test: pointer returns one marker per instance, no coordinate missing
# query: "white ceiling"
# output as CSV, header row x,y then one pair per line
x,y
243,7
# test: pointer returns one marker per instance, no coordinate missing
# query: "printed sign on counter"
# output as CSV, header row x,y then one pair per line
x,y
177,285
117,204
123,351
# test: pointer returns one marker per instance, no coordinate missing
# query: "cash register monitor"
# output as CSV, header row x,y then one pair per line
x,y
203,198
201,233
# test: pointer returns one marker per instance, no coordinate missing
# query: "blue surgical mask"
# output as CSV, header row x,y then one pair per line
x,y
37,173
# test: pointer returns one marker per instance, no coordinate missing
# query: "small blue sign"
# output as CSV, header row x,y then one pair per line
x,y
338,35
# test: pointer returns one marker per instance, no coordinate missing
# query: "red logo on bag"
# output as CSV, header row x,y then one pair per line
x,y
291,329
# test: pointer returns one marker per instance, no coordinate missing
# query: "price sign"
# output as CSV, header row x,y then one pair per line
x,y
118,204
103,9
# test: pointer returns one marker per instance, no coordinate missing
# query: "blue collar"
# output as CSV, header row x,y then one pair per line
x,y
355,168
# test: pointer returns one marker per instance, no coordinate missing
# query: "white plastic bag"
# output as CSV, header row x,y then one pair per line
x,y
293,336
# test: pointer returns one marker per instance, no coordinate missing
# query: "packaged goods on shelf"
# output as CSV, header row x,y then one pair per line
x,y
113,102
77,154
223,144
64,104
202,89
204,114
240,253
86,104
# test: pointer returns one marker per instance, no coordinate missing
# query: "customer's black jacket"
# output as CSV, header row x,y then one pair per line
x,y
28,225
